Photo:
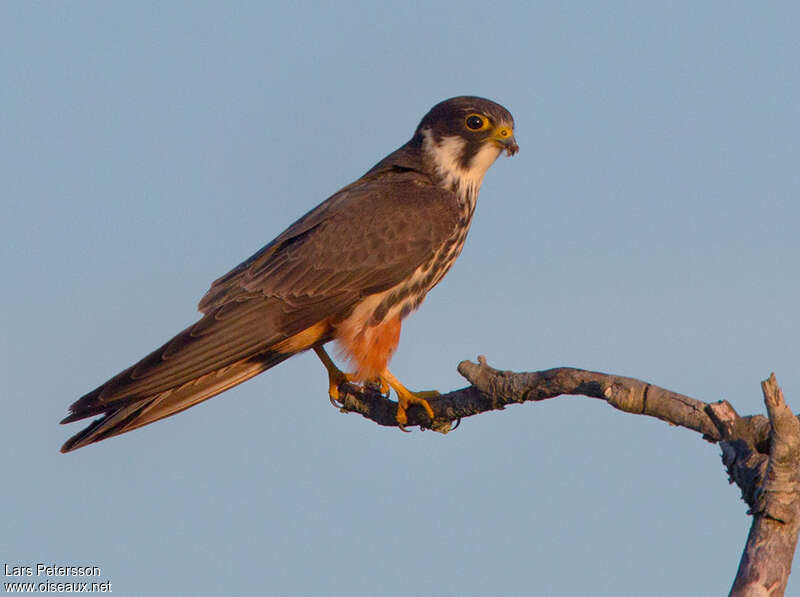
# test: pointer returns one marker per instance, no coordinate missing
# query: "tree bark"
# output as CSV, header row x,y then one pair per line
x,y
767,559
761,454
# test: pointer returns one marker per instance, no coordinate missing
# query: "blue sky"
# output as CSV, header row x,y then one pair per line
x,y
647,228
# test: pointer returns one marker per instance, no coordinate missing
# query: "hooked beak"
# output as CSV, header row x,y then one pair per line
x,y
503,137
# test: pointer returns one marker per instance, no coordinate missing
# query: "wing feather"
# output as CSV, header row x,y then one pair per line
x,y
365,239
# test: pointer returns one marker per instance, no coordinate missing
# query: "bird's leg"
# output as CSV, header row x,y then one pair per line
x,y
406,398
336,376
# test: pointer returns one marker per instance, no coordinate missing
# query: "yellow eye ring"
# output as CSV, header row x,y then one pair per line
x,y
476,122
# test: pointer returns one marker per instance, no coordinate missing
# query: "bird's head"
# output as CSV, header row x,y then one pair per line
x,y
461,137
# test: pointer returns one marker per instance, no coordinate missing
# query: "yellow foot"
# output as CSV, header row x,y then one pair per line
x,y
336,376
384,387
414,398
406,398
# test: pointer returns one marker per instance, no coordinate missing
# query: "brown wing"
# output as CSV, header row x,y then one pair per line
x,y
376,238
364,239
393,185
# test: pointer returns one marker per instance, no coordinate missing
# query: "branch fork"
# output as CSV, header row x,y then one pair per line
x,y
761,454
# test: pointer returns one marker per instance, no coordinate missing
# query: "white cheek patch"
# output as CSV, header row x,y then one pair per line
x,y
447,155
487,156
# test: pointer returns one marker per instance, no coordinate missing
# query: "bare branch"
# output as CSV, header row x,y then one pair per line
x,y
767,559
493,389
762,455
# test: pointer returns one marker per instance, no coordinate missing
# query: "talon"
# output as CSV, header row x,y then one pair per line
x,y
401,417
406,398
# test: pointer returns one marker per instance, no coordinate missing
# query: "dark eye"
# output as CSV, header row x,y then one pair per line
x,y
474,122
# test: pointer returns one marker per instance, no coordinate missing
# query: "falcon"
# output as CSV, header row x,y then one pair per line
x,y
348,272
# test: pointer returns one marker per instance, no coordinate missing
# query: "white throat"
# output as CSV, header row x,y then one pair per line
x,y
447,154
